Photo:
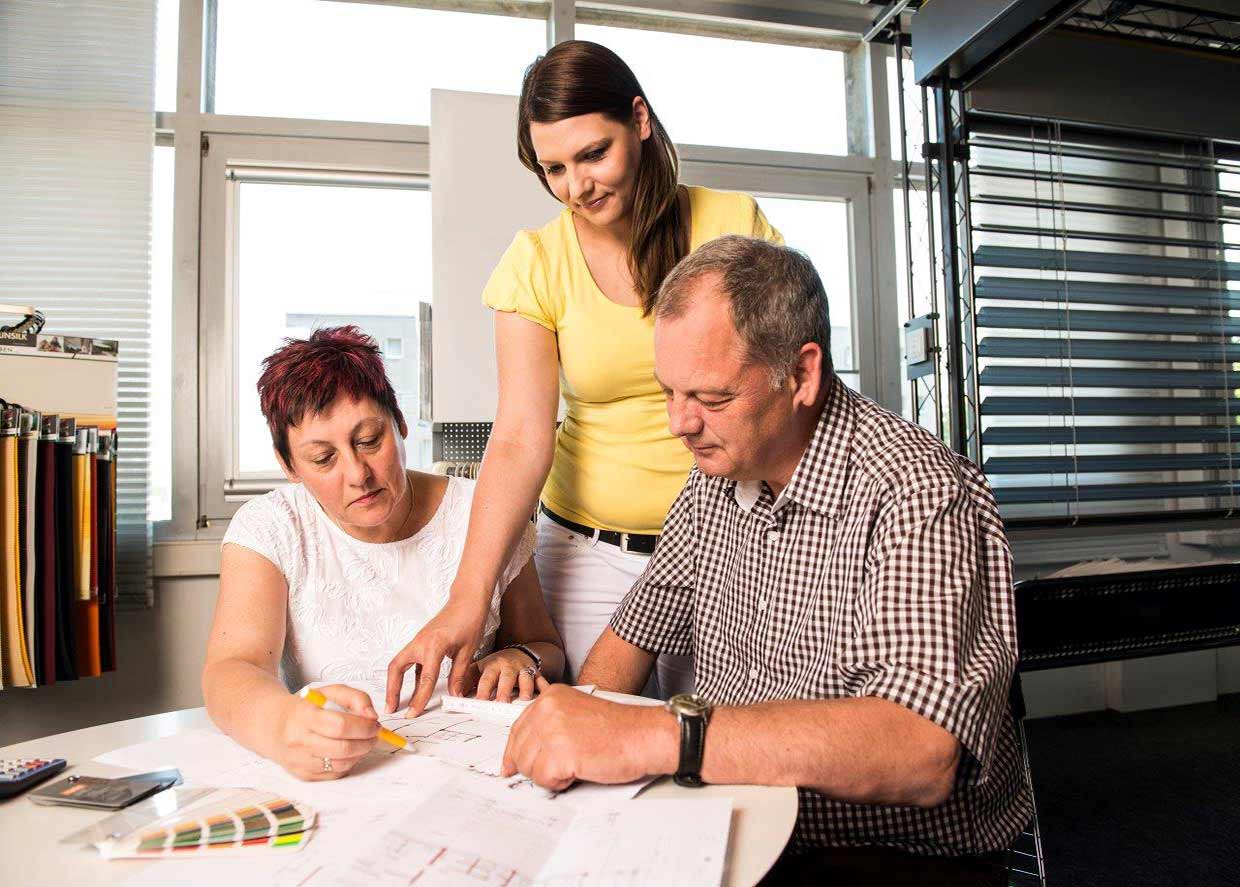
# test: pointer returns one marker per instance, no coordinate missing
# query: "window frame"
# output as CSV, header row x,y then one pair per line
x,y
223,486
868,168
802,182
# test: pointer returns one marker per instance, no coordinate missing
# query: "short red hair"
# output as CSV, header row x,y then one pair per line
x,y
308,375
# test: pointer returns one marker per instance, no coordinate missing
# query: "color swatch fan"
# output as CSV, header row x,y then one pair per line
x,y
223,822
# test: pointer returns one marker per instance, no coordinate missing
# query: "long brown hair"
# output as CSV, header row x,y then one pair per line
x,y
578,77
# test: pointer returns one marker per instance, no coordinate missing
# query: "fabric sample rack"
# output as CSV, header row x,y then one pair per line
x,y
57,548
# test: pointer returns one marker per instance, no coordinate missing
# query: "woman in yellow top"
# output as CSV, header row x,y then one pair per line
x,y
572,317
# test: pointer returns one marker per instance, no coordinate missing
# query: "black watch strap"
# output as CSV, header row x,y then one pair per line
x,y
692,748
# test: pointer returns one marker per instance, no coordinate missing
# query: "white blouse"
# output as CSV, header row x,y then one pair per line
x,y
352,605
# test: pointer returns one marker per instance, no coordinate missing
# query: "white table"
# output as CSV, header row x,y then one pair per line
x,y
30,851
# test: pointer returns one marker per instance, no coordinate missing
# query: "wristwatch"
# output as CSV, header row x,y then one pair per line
x,y
693,713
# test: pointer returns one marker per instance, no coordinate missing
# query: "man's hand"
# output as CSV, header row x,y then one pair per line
x,y
455,632
566,735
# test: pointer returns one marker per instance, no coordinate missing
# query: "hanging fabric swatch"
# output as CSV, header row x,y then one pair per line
x,y
66,534
27,471
16,665
86,629
105,532
46,589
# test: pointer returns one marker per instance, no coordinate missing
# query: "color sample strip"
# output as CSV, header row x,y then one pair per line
x,y
277,822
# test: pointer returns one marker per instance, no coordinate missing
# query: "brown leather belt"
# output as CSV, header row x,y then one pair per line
x,y
635,542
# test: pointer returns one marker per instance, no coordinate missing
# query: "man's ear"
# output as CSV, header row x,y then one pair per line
x,y
807,375
641,117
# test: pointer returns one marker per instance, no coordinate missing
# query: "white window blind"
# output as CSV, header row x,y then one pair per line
x,y
1107,321
76,141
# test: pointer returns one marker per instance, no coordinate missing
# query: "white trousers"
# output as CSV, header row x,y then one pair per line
x,y
583,581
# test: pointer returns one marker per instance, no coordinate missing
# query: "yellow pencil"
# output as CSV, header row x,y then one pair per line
x,y
316,698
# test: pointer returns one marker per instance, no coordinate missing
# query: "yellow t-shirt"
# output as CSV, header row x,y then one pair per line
x,y
616,465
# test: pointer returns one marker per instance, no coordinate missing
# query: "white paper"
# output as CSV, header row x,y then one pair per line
x,y
472,832
198,754
670,842
208,757
494,710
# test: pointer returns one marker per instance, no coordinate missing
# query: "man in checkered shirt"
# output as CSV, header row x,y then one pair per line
x,y
841,577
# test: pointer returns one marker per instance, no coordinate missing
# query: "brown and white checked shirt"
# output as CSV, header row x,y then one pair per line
x,y
882,570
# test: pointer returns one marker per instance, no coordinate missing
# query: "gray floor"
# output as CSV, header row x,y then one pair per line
x,y
1149,798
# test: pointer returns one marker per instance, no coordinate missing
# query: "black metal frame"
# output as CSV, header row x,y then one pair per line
x,y
1084,620
947,186
947,180
925,387
1156,22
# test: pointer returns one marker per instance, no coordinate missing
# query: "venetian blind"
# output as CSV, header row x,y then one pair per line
x,y
76,140
1106,320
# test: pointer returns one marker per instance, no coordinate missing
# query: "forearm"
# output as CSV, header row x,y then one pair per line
x,y
505,497
616,665
246,702
863,751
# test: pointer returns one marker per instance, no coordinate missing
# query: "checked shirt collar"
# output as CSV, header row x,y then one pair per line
x,y
820,475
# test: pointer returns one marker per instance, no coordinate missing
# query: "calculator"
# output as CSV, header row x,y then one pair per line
x,y
19,774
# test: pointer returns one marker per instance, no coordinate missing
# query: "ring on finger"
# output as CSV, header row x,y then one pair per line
x,y
531,670
327,765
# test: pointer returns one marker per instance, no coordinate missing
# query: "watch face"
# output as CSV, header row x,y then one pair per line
x,y
689,704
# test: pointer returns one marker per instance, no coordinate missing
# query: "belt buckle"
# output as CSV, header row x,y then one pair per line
x,y
624,544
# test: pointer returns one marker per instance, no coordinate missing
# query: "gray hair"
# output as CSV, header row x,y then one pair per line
x,y
777,298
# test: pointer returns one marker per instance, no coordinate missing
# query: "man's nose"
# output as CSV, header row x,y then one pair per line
x,y
683,417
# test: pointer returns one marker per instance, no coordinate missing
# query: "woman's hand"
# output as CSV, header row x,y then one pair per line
x,y
503,672
455,632
309,735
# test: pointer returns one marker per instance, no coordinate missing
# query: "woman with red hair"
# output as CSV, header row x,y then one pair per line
x,y
324,580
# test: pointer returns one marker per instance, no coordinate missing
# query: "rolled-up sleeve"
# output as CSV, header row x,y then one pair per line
x,y
934,629
657,613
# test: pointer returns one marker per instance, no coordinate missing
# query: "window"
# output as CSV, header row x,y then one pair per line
x,y
302,234
819,228
920,304
312,256
302,224
167,18
827,216
363,62
734,93
912,111
159,489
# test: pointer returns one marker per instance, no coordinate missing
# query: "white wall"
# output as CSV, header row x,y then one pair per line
x,y
473,131
159,654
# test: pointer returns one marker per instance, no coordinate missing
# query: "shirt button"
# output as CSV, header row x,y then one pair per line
x,y
753,674
761,604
